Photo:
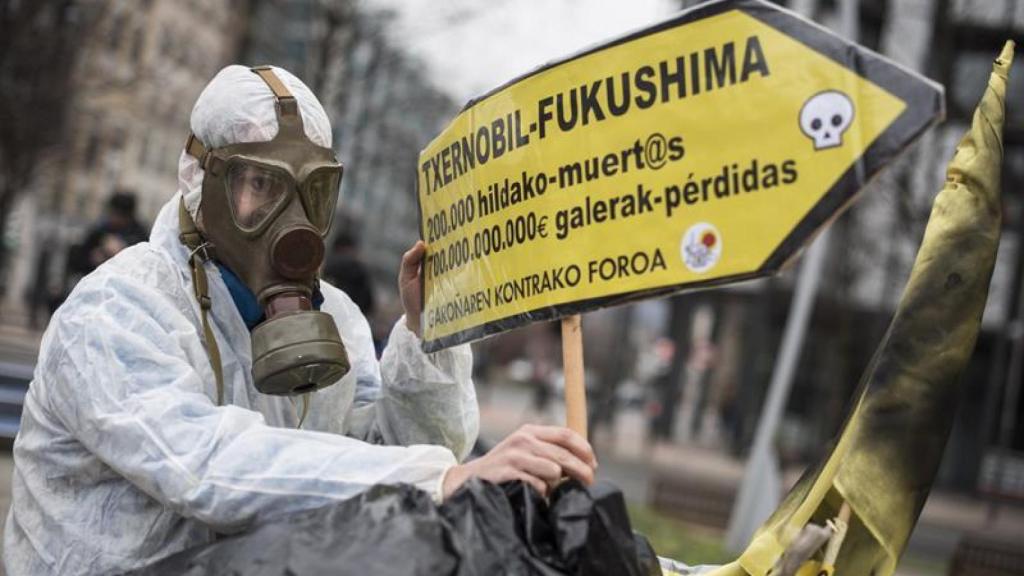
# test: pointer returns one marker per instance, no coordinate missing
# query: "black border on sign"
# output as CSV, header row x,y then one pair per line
x,y
928,109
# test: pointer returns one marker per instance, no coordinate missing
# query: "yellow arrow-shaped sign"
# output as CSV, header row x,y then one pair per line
x,y
704,150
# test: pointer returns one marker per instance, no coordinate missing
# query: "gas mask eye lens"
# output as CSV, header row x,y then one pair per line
x,y
254,192
320,196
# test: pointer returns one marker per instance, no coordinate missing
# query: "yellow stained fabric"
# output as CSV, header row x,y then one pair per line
x,y
889,450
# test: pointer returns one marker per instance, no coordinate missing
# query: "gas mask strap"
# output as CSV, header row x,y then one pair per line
x,y
195,149
305,409
286,103
197,256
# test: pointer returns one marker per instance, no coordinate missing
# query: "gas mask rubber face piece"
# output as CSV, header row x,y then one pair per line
x,y
266,208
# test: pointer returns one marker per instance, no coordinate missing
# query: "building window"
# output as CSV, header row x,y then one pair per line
x,y
166,43
144,150
138,44
92,149
116,31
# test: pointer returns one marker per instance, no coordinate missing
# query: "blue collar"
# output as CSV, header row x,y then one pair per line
x,y
245,300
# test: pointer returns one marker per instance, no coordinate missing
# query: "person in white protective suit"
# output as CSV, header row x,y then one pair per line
x,y
167,405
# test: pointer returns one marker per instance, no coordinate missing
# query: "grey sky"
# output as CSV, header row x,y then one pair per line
x,y
472,46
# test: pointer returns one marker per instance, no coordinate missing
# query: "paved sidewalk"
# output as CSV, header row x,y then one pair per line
x,y
18,344
945,519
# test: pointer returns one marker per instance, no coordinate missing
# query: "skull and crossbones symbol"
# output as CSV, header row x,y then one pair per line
x,y
825,117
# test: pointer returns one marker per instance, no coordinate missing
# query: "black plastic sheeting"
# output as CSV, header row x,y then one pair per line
x,y
483,529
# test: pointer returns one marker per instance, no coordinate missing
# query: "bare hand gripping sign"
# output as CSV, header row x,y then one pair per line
x,y
703,150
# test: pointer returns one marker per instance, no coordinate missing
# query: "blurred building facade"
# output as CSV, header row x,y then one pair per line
x,y
140,75
139,72
141,69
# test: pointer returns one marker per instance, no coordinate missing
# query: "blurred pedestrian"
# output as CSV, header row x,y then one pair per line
x,y
345,269
39,293
543,351
118,229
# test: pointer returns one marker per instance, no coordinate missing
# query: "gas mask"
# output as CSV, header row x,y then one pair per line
x,y
266,208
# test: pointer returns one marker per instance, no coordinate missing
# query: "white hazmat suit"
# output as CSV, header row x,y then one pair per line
x,y
123,456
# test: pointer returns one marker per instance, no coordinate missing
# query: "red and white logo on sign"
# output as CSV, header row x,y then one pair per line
x,y
701,247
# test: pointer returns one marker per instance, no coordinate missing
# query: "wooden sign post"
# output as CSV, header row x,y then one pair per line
x,y
572,367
